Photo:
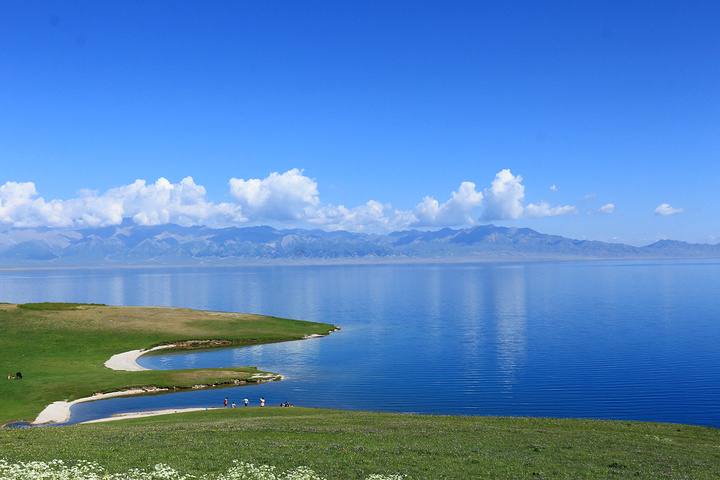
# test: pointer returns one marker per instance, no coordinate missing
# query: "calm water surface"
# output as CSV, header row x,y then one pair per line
x,y
613,340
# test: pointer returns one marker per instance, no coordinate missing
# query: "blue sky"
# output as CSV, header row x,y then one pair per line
x,y
596,120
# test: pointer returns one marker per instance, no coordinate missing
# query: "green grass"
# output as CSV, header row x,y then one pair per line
x,y
56,306
61,348
352,445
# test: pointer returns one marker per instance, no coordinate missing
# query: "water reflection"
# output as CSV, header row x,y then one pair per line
x,y
471,310
510,315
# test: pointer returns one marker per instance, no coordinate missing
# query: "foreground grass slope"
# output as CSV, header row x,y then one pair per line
x,y
61,348
353,445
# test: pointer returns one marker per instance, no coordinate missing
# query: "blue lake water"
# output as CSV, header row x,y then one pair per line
x,y
614,340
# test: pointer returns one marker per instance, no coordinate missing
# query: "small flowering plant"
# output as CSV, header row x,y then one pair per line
x,y
83,470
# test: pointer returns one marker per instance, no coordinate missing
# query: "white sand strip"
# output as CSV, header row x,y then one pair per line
x,y
59,412
127,361
149,413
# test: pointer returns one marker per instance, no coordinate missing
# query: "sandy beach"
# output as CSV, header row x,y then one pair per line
x,y
59,412
149,413
127,361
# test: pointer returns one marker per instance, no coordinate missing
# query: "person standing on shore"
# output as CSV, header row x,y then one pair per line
x,y
262,402
246,401
225,403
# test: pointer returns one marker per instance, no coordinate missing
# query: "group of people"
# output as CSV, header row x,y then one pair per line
x,y
13,377
247,402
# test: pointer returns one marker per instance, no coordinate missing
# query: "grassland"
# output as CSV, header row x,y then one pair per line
x,y
61,349
352,445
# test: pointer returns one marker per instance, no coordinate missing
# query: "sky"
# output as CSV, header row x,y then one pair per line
x,y
591,120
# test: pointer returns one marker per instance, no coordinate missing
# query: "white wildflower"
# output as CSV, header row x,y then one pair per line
x,y
84,470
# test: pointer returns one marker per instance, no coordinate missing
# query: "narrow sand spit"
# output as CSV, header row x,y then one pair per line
x,y
127,361
59,412
149,413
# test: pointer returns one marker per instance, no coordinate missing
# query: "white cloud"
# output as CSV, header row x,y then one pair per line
x,y
607,208
164,202
278,197
545,210
371,217
504,197
291,198
503,201
19,207
456,211
665,210
154,204
554,188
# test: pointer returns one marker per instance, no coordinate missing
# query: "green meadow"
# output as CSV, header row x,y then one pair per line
x,y
353,445
61,349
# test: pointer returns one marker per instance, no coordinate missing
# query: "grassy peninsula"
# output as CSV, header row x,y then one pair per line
x,y
61,349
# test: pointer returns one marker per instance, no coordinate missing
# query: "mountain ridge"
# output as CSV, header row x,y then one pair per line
x,y
171,244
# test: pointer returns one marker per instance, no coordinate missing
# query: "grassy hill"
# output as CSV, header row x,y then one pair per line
x,y
353,445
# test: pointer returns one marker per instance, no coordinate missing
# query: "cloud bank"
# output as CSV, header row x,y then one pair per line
x,y
290,198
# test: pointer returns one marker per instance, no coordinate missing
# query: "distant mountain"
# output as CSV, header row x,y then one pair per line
x,y
130,244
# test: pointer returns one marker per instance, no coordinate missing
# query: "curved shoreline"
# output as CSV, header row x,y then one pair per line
x,y
59,412
127,361
148,413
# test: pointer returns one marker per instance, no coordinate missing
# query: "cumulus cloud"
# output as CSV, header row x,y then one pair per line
x,y
504,197
456,211
290,198
154,204
164,202
503,201
375,216
19,207
287,196
370,217
665,210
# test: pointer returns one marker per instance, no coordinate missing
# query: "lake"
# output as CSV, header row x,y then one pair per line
x,y
632,340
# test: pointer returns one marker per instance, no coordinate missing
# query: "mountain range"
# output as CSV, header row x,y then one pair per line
x,y
131,244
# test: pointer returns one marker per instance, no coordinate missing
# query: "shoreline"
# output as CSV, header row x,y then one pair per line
x,y
147,413
127,361
59,412
351,261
